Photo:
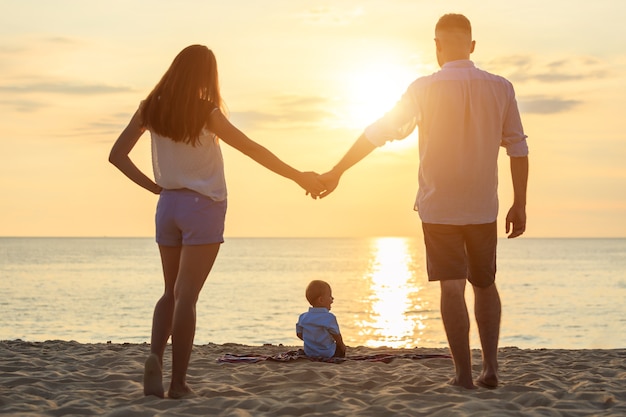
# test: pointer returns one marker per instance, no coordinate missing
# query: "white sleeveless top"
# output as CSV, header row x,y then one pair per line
x,y
180,165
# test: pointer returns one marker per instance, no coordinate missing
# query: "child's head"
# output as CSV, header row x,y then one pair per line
x,y
319,294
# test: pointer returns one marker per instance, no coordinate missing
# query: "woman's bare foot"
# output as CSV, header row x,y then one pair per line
x,y
153,377
489,381
180,392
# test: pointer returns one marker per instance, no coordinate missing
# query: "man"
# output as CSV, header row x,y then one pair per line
x,y
463,115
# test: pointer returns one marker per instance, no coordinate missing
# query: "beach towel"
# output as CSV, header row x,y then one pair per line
x,y
293,355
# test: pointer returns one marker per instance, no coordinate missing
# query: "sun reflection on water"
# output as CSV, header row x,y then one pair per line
x,y
395,316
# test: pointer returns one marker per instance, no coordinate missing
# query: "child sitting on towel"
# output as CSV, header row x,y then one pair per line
x,y
318,327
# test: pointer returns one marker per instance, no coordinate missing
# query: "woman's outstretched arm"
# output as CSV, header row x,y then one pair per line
x,y
228,133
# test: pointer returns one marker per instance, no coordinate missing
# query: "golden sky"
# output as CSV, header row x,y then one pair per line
x,y
303,78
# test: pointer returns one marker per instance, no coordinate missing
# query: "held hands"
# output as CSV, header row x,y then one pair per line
x,y
310,181
319,186
516,221
331,180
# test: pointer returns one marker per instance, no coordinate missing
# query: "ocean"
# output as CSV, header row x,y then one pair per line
x,y
556,293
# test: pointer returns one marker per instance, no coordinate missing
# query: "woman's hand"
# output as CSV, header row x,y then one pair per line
x,y
311,183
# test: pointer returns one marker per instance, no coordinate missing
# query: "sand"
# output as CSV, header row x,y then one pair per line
x,y
59,378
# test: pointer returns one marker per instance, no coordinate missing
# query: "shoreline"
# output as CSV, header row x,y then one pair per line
x,y
63,377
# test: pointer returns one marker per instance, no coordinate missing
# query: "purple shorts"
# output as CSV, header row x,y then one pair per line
x,y
461,252
185,217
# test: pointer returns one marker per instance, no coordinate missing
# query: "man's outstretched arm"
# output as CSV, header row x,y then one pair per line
x,y
516,217
359,150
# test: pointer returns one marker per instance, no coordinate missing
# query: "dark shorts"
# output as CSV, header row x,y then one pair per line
x,y
185,217
461,252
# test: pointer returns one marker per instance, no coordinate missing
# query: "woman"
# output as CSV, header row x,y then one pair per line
x,y
184,116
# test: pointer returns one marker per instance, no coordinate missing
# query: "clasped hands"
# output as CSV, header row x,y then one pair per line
x,y
318,186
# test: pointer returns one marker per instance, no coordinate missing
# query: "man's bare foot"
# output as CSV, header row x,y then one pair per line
x,y
489,381
153,377
180,392
465,384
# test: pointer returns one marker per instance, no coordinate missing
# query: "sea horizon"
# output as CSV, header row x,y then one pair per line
x,y
557,292
226,237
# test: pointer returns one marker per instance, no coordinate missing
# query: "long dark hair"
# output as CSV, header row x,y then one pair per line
x,y
179,105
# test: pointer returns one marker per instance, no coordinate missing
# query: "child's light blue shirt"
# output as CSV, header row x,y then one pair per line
x,y
316,326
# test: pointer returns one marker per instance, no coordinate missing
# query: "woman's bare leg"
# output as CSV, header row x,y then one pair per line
x,y
161,323
194,267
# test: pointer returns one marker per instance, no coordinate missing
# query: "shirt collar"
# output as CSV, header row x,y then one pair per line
x,y
461,63
318,310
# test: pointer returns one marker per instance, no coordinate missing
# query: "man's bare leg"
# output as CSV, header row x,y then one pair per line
x,y
456,323
488,310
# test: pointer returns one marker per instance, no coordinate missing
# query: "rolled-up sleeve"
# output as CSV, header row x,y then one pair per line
x,y
513,137
396,124
517,149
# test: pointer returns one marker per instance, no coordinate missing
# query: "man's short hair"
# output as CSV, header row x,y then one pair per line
x,y
454,22
315,290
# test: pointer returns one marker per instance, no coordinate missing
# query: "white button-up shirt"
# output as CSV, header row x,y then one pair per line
x,y
463,115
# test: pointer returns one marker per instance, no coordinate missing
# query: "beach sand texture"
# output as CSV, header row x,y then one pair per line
x,y
59,378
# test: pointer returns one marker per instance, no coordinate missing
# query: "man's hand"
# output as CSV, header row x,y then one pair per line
x,y
310,181
517,213
330,180
516,221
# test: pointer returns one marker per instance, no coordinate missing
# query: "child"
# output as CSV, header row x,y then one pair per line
x,y
318,327
184,116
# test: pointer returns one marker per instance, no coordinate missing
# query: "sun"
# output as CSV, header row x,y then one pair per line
x,y
372,91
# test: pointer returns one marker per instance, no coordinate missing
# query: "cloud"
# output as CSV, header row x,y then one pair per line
x,y
26,53
61,40
286,112
528,68
7,51
546,105
15,96
250,119
525,68
23,106
105,129
331,16
63,87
